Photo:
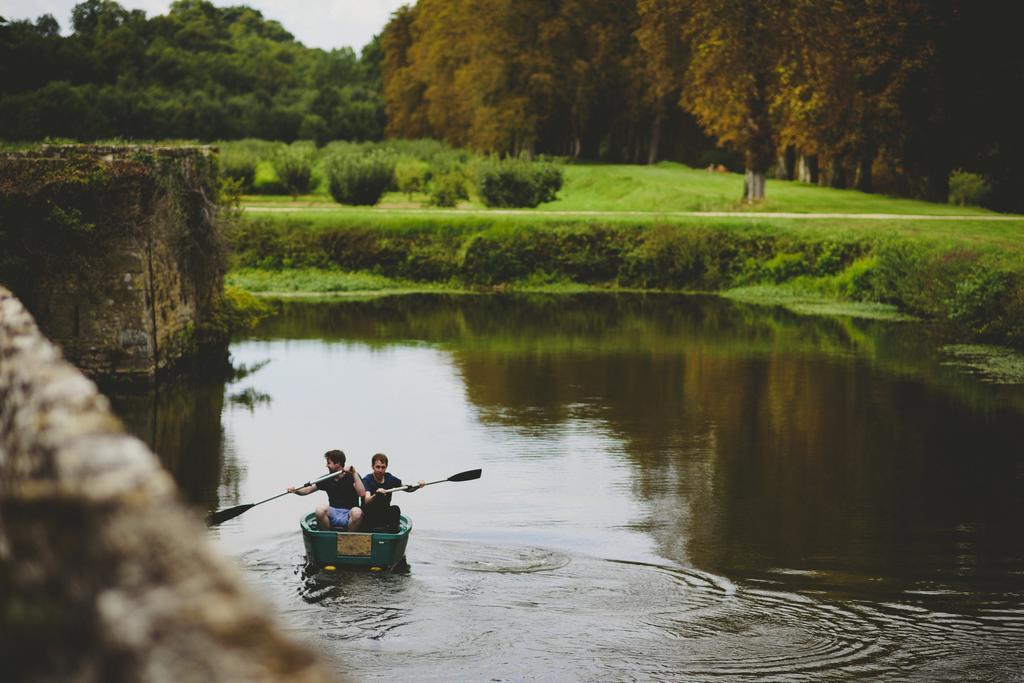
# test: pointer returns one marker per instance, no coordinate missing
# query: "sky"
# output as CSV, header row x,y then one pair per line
x,y
326,24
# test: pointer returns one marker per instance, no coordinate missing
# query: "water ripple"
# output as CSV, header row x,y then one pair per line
x,y
509,612
511,560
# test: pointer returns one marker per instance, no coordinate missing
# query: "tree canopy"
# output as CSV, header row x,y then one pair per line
x,y
198,72
884,95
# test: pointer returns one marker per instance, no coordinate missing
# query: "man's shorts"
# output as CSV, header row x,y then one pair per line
x,y
338,517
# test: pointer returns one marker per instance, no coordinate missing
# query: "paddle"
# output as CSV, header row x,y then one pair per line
x,y
230,513
461,476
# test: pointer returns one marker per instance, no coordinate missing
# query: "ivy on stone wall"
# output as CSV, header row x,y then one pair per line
x,y
87,224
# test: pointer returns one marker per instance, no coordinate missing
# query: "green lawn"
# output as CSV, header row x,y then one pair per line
x,y
663,194
674,187
671,187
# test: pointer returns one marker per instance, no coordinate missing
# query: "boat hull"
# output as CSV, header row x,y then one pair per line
x,y
342,549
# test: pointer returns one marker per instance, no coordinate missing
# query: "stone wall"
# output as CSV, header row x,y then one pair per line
x,y
115,250
104,574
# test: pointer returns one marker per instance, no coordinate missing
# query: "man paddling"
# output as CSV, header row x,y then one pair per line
x,y
379,512
343,493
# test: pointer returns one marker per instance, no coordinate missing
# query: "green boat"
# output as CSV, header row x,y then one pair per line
x,y
344,550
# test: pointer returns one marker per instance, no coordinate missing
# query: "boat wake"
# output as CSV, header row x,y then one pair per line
x,y
509,611
511,560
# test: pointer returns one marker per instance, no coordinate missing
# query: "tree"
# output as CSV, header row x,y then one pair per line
x,y
660,39
515,76
197,72
847,71
980,69
403,91
732,78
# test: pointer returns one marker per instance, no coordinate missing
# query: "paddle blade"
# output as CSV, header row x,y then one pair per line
x,y
466,476
224,515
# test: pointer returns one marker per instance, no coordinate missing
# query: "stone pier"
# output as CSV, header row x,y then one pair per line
x,y
116,252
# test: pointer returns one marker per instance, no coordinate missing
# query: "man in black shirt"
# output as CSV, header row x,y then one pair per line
x,y
343,493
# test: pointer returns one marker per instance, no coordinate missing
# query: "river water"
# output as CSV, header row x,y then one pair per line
x,y
674,488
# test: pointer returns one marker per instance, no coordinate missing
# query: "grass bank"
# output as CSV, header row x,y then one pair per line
x,y
632,228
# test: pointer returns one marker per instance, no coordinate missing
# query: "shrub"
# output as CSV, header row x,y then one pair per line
x,y
497,256
857,282
968,189
786,266
657,259
360,179
240,166
411,175
294,168
591,254
266,180
249,161
517,182
832,257
898,274
922,279
447,189
340,148
672,258
265,244
977,302
988,304
424,149
236,310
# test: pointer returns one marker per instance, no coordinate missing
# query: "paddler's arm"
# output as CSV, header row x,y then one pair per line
x,y
357,482
370,497
414,489
302,490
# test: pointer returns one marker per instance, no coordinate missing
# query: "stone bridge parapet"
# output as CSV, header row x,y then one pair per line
x,y
104,574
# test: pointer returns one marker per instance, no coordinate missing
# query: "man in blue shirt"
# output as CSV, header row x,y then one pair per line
x,y
378,511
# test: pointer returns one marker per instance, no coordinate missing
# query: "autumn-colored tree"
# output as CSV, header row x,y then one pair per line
x,y
732,78
515,76
494,81
403,92
469,72
846,70
617,117
909,88
665,59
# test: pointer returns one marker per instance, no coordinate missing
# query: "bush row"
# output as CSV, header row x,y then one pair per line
x,y
360,174
488,253
975,294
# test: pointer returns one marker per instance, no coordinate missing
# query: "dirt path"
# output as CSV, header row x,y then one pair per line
x,y
683,214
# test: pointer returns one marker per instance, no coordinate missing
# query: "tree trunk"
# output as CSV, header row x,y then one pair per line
x,y
789,162
865,154
652,151
865,160
938,183
837,172
809,169
761,151
753,186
